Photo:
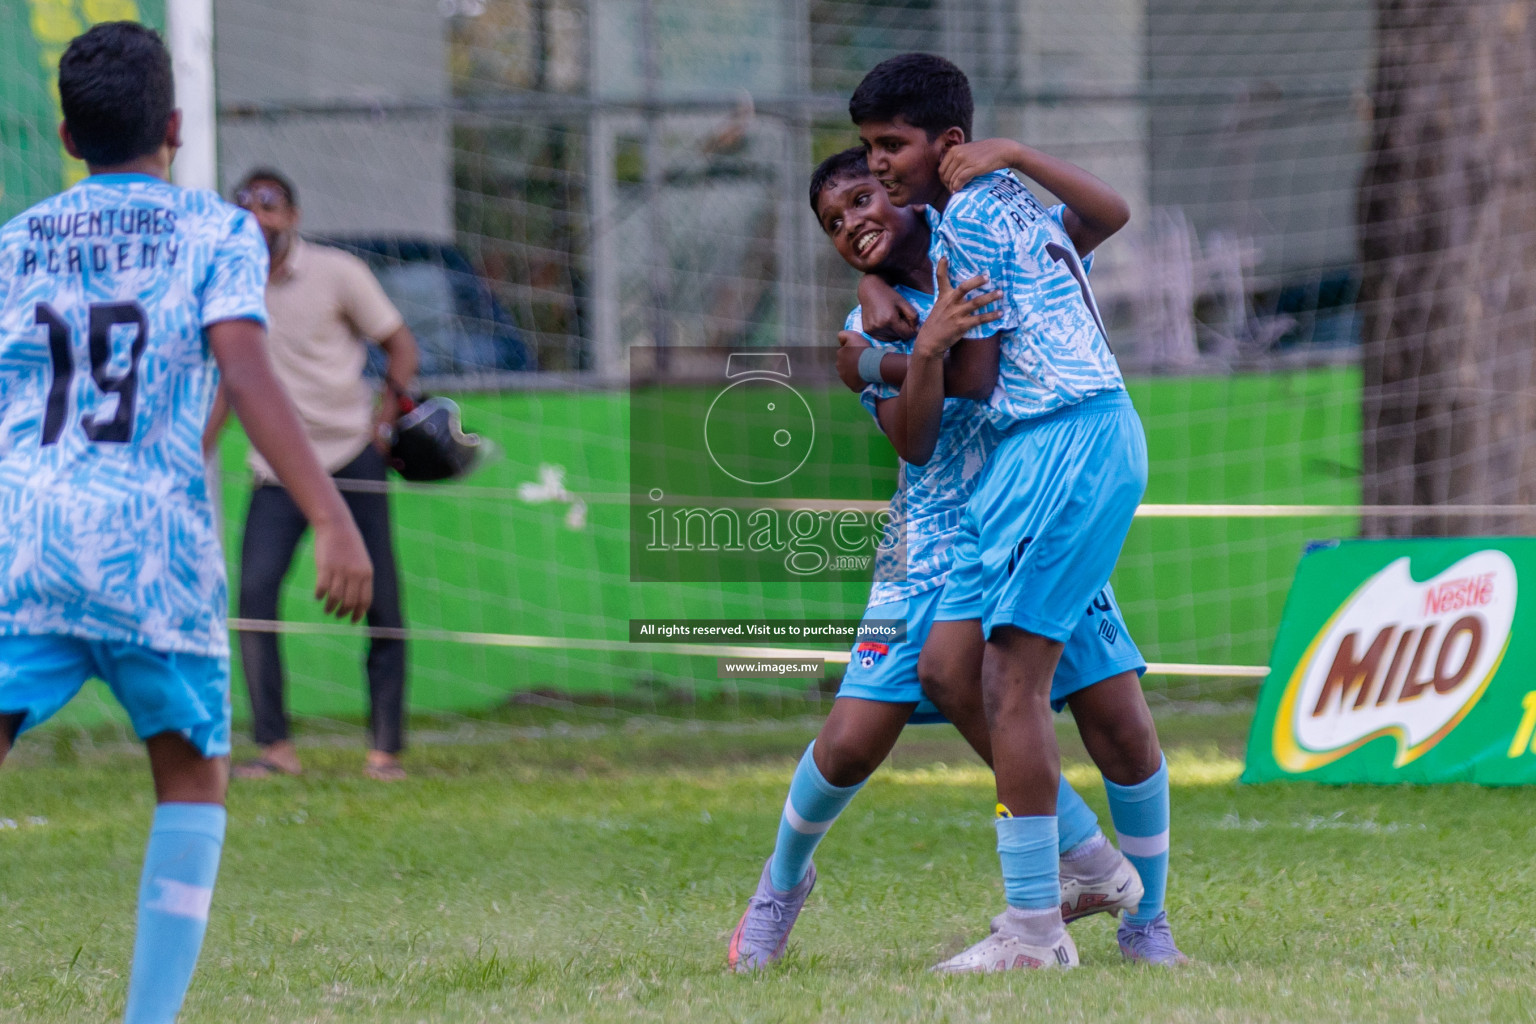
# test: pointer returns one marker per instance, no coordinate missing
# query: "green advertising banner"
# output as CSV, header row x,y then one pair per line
x,y
33,34
1403,661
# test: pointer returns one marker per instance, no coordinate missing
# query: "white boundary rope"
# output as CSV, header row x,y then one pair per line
x,y
1146,511
524,640
1149,510
1154,511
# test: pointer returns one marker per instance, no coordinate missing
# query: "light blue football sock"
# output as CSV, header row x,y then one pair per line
x,y
1140,813
1026,848
180,867
1075,821
813,805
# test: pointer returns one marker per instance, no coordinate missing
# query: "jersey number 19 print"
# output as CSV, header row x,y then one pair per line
x,y
104,317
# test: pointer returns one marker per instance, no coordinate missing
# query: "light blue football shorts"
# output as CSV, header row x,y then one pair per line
x,y
887,672
1044,528
1100,647
161,691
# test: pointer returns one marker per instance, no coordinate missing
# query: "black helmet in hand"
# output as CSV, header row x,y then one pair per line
x,y
429,443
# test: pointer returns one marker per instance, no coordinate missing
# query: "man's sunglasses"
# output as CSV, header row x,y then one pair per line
x,y
265,196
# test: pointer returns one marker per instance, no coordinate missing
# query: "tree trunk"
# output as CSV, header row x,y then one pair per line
x,y
1447,222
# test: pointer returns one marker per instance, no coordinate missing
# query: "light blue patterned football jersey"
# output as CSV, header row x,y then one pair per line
x,y
929,499
105,386
1054,351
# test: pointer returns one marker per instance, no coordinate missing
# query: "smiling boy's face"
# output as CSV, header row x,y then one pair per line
x,y
864,225
906,161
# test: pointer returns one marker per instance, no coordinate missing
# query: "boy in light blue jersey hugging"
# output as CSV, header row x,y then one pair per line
x,y
881,691
1049,512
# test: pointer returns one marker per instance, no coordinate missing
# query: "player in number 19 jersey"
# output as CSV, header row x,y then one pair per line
x,y
105,383
117,299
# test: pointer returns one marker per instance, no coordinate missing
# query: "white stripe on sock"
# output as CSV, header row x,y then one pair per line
x,y
181,900
1143,846
799,824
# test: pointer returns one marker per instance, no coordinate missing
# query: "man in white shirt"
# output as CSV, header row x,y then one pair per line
x,y
325,307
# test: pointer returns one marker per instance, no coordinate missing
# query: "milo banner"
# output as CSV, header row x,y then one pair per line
x,y
1403,661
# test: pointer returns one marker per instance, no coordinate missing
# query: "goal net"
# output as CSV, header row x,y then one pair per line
x,y
558,191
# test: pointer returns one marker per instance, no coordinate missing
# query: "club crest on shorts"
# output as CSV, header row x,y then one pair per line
x,y
868,654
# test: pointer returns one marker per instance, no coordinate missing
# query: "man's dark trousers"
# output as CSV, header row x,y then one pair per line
x,y
273,528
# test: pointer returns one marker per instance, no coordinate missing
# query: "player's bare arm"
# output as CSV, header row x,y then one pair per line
x,y
887,316
911,420
851,345
969,368
1094,210
343,573
970,371
218,415
402,359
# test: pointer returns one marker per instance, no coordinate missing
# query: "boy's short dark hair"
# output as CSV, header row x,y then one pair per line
x,y
276,177
928,91
117,92
850,163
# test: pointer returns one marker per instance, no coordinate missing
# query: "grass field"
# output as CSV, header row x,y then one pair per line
x,y
556,866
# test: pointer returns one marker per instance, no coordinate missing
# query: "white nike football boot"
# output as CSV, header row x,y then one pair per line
x,y
1119,890
1015,944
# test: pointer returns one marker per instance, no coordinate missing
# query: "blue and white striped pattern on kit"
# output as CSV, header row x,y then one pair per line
x,y
929,499
1054,352
105,385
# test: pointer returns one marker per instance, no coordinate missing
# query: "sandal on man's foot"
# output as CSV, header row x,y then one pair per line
x,y
392,772
260,768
